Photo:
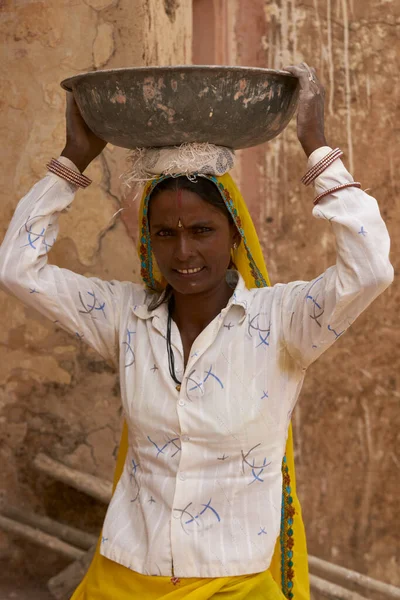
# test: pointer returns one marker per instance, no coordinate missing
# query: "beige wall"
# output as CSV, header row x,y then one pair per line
x,y
347,422
56,395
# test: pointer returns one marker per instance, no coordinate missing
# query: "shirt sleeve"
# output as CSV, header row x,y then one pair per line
x,y
316,313
87,307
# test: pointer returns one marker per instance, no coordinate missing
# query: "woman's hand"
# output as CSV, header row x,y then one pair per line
x,y
82,145
310,113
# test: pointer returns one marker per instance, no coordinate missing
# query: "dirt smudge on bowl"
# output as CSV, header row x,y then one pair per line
x,y
169,112
118,98
243,83
152,89
203,92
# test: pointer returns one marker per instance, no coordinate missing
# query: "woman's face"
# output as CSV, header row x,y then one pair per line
x,y
191,241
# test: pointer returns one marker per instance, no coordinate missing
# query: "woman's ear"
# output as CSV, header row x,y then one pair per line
x,y
236,239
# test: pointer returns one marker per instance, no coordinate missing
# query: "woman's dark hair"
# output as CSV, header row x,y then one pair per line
x,y
208,191
203,187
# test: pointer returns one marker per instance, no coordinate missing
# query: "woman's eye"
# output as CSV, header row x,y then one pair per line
x,y
195,230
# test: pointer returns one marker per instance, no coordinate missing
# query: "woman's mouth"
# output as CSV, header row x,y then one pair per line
x,y
192,271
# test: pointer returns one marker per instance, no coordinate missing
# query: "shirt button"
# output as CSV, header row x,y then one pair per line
x,y
176,514
185,438
181,403
182,476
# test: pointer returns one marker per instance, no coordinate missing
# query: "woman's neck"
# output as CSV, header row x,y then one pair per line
x,y
193,312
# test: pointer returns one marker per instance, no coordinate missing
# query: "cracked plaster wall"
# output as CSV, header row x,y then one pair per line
x,y
346,424
56,395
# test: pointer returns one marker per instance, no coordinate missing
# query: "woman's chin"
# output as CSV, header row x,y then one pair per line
x,y
189,283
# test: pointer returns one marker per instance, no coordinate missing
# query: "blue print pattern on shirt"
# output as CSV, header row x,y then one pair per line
x,y
33,237
134,469
337,335
317,308
192,384
249,462
261,326
129,352
91,304
170,441
134,481
202,517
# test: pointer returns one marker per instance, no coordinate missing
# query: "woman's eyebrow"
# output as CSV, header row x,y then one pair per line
x,y
201,224
161,226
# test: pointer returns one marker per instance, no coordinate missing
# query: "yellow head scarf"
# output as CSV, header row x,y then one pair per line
x,y
287,576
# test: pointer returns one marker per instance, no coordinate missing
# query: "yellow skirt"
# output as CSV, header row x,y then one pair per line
x,y
111,581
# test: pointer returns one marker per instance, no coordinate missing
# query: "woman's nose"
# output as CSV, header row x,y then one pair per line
x,y
183,247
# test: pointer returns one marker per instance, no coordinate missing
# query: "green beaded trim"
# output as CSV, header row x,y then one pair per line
x,y
286,535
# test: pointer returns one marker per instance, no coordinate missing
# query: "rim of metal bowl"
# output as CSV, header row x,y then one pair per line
x,y
67,84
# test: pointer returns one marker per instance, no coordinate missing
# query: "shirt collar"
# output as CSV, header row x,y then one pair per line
x,y
241,297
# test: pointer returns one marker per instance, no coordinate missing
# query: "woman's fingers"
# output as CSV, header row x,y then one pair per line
x,y
304,72
72,109
308,78
310,114
81,142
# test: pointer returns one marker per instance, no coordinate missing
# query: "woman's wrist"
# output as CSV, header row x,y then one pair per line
x,y
311,144
80,160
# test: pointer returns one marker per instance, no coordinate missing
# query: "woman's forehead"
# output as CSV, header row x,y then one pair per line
x,y
171,204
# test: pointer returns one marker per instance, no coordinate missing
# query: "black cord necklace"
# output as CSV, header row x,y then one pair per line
x,y
171,357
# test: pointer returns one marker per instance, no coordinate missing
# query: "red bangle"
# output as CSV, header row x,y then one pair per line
x,y
54,166
61,165
335,189
320,167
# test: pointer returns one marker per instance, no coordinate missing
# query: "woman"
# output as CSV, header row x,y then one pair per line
x,y
211,363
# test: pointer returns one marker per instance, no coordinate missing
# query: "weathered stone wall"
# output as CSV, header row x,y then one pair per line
x,y
347,422
57,396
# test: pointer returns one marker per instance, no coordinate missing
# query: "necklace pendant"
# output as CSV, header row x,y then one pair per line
x,y
178,388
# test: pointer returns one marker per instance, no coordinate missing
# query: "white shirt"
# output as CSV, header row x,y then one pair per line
x,y
200,495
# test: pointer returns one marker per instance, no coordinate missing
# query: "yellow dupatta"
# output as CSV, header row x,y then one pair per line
x,y
287,576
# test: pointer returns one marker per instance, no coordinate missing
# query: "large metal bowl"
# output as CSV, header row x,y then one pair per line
x,y
236,107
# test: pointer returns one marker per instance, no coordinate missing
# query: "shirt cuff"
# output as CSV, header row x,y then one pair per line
x,y
68,163
335,174
318,155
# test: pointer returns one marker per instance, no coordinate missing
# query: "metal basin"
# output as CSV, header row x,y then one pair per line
x,y
236,107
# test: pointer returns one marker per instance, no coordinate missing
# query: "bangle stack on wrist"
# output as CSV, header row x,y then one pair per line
x,y
321,166
54,166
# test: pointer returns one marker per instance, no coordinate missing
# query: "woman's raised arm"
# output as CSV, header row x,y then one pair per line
x,y
87,307
316,313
